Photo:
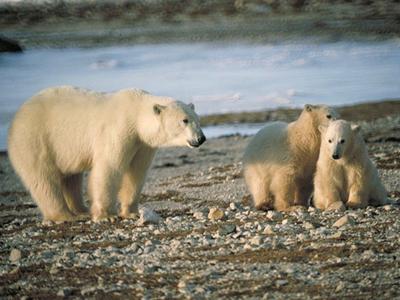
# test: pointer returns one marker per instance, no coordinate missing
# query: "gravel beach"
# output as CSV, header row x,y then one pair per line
x,y
199,237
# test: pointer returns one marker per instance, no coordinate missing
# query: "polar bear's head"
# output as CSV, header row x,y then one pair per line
x,y
180,125
339,137
320,114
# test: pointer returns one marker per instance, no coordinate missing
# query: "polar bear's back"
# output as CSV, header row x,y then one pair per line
x,y
56,120
63,97
269,143
53,109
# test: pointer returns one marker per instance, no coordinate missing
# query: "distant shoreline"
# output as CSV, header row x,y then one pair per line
x,y
82,23
236,30
362,111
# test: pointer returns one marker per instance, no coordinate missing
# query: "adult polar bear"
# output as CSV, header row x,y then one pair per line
x,y
280,161
64,131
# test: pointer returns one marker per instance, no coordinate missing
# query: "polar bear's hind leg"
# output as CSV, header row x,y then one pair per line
x,y
46,189
72,190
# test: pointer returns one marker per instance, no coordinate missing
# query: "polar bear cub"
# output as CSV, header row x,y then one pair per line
x,y
63,131
345,175
280,161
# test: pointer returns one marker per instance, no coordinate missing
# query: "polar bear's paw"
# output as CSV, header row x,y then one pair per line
x,y
336,206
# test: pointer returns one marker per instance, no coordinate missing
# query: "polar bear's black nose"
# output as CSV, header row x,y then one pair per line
x,y
335,156
202,139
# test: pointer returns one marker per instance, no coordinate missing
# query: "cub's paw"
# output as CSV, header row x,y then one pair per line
x,y
104,218
130,216
356,205
336,206
296,208
266,206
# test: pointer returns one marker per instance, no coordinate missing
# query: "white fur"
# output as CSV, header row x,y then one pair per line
x,y
280,161
351,179
64,131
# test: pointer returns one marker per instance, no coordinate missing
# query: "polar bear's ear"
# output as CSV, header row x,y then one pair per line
x,y
308,107
355,128
322,128
191,105
157,108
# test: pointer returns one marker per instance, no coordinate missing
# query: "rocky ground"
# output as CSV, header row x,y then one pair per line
x,y
208,241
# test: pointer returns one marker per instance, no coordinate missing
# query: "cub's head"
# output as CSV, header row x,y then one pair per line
x,y
180,125
338,137
320,114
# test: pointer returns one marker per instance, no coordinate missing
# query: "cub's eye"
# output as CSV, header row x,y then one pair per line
x,y
330,141
341,141
185,121
329,116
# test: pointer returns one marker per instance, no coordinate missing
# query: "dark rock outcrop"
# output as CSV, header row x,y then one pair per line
x,y
8,45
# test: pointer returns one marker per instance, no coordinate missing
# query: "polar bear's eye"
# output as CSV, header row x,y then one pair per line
x,y
330,141
329,116
342,141
185,121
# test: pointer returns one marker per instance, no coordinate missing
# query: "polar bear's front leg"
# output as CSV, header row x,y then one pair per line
x,y
326,195
133,181
357,198
104,181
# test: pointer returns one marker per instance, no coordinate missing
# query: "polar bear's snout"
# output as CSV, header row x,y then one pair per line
x,y
198,140
336,151
337,148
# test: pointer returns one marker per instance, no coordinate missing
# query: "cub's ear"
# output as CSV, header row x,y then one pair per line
x,y
355,128
322,128
191,105
157,108
308,107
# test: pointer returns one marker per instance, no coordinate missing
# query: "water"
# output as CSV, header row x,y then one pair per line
x,y
216,77
229,129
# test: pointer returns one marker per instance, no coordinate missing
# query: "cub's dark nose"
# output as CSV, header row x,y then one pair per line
x,y
335,156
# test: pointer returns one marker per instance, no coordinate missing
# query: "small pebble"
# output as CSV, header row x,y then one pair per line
x,y
268,230
148,216
368,254
340,287
247,247
64,292
308,225
256,241
15,255
215,214
198,215
281,282
388,207
345,220
227,229
274,215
